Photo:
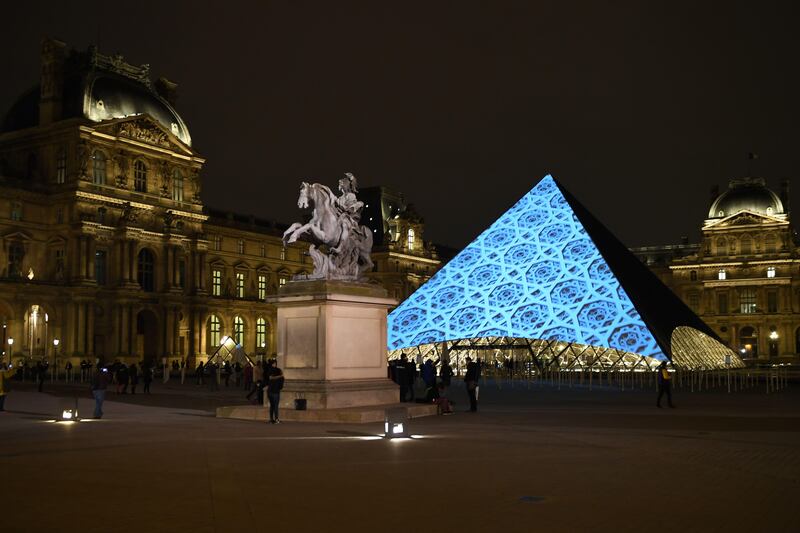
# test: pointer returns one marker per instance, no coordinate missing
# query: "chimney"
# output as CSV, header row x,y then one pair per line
x,y
52,81
168,90
785,195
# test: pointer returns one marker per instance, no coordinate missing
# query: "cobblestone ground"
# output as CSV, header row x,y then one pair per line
x,y
532,459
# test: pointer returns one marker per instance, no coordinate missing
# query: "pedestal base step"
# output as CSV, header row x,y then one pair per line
x,y
345,415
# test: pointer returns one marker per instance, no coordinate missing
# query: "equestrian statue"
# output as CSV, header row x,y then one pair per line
x,y
340,246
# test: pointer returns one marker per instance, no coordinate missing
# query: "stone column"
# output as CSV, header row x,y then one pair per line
x,y
90,330
91,250
81,327
176,335
132,262
203,280
133,336
175,261
124,274
169,259
124,330
169,330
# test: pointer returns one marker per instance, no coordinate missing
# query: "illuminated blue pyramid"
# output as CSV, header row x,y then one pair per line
x,y
534,274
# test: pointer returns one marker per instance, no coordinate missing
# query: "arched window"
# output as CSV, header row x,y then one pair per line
x,y
177,186
99,167
214,329
139,176
261,334
15,254
748,342
238,330
145,275
693,275
410,238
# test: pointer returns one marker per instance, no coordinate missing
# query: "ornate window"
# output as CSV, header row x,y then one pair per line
x,y
177,186
16,211
60,257
769,244
101,215
240,279
770,272
282,281
262,286
261,333
722,274
238,329
263,250
217,240
100,267
722,303
240,246
410,238
693,275
772,302
15,254
721,245
146,274
99,167
139,176
746,245
216,282
747,301
61,165
214,329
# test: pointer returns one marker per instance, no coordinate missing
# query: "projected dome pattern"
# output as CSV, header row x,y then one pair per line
x,y
534,274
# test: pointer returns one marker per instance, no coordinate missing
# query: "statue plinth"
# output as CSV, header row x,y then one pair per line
x,y
332,344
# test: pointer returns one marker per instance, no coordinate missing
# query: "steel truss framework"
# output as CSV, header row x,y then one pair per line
x,y
692,350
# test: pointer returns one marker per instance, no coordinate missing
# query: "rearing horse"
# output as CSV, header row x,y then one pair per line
x,y
323,225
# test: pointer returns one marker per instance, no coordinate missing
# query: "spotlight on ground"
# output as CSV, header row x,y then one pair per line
x,y
395,424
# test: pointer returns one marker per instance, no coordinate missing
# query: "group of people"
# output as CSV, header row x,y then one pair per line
x,y
404,373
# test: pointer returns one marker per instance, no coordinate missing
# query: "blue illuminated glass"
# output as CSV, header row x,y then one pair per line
x,y
535,274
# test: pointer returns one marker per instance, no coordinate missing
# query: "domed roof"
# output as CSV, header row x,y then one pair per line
x,y
746,194
98,88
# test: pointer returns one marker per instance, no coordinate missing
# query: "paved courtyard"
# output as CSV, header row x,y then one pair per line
x,y
532,459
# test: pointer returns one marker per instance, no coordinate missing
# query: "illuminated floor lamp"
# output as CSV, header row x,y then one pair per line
x,y
55,353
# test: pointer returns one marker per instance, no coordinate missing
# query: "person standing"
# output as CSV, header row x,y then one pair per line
x,y
133,372
198,373
274,387
6,374
446,373
258,380
40,372
401,368
664,384
471,381
68,371
99,386
147,377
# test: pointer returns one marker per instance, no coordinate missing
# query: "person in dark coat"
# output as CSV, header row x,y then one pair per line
x,y
446,373
274,386
198,373
401,370
226,372
133,372
122,378
99,386
664,384
471,382
147,377
40,372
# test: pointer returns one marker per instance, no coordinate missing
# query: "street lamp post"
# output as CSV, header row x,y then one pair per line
x,y
55,353
10,348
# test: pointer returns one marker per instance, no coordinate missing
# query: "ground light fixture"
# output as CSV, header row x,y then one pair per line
x,y
395,424
69,411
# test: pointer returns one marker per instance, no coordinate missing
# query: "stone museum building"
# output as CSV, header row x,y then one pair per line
x,y
107,249
743,278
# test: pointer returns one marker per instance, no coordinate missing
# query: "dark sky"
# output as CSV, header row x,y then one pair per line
x,y
638,108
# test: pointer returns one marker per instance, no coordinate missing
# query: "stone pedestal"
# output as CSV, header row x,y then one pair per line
x,y
332,344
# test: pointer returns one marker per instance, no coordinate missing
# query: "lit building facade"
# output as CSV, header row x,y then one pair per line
x,y
743,278
105,244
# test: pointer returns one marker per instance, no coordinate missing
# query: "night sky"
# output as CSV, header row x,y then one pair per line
x,y
637,108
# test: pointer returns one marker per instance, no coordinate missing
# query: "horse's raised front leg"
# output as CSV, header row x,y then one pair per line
x,y
294,232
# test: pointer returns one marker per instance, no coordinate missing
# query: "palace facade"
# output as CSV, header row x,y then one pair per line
x,y
106,247
743,278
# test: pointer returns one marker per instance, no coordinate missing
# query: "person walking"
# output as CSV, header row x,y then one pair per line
x,y
248,376
123,378
40,372
99,386
274,387
6,373
133,372
446,373
198,373
147,377
400,369
471,381
226,372
664,385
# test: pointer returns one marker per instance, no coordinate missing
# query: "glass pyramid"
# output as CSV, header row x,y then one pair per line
x,y
535,274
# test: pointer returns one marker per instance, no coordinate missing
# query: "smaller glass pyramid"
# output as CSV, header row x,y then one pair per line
x,y
535,274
